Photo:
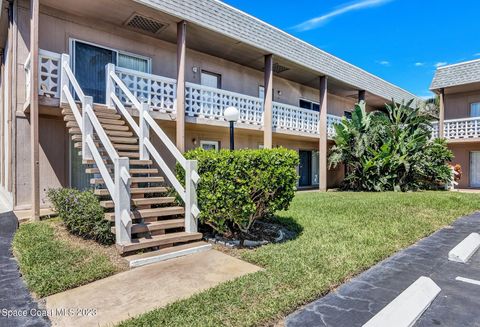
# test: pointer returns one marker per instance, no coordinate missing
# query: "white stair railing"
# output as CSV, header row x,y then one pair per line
x,y
187,193
119,186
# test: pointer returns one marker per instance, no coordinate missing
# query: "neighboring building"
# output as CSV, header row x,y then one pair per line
x,y
458,87
188,60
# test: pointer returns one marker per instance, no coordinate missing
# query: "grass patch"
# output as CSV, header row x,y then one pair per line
x,y
341,234
53,261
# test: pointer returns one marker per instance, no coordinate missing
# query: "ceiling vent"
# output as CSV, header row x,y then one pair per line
x,y
145,24
277,68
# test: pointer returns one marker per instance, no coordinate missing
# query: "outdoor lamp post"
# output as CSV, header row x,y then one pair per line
x,y
231,114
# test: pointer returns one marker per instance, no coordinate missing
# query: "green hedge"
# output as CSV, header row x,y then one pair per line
x,y
239,187
82,214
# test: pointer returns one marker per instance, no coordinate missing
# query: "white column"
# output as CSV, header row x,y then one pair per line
x,y
144,131
87,128
110,87
123,221
191,209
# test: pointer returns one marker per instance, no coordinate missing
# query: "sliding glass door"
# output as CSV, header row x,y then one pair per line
x,y
90,62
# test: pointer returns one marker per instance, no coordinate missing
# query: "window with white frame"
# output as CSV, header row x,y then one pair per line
x,y
261,92
210,145
475,109
211,79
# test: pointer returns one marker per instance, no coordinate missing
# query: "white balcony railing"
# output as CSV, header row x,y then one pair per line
x,y
458,129
49,74
200,101
158,91
208,102
465,128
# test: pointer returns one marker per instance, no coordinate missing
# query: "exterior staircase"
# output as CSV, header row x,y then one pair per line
x,y
158,221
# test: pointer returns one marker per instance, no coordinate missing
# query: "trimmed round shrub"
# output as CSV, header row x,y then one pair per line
x,y
82,214
239,187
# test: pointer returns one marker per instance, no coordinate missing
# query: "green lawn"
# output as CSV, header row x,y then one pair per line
x,y
52,261
341,234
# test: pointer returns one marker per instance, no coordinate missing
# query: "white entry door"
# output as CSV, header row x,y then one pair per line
x,y
475,169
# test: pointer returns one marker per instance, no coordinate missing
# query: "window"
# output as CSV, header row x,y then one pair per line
x,y
210,145
475,109
133,62
310,105
211,79
261,92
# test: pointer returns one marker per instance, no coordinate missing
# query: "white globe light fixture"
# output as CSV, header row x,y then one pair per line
x,y
232,115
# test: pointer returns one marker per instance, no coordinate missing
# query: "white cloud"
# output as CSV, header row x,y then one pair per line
x,y
384,62
419,64
476,54
440,64
320,20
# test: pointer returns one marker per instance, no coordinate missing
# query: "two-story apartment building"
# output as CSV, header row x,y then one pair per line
x,y
186,61
458,87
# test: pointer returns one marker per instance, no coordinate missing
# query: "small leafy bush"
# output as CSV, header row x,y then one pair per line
x,y
239,187
82,214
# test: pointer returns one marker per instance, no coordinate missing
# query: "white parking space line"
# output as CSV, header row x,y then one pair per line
x,y
468,280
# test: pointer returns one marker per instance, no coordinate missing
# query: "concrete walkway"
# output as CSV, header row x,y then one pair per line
x,y
14,294
140,290
355,302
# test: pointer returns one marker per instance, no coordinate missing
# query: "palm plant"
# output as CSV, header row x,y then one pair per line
x,y
389,150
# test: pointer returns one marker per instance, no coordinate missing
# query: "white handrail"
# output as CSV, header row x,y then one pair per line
x,y
187,193
119,187
71,78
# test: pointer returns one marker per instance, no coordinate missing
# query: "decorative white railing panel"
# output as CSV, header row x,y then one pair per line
x,y
49,74
465,128
157,91
208,102
331,121
293,118
200,101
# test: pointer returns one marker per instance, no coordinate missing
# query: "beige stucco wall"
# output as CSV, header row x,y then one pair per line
x,y
55,31
461,152
458,105
55,34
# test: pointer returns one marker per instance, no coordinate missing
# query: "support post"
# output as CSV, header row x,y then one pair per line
x,y
87,128
109,69
64,61
268,103
441,115
191,206
144,131
180,91
34,134
323,141
123,221
361,95
232,136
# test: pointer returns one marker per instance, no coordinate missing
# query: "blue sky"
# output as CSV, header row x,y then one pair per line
x,y
401,41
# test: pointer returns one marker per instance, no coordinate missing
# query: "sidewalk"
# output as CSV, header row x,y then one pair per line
x,y
14,294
